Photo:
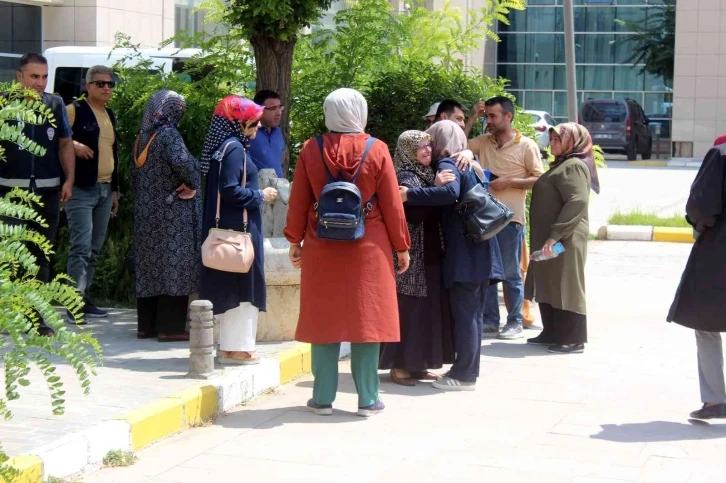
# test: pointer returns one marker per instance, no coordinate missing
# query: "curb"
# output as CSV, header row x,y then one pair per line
x,y
139,428
673,163
645,233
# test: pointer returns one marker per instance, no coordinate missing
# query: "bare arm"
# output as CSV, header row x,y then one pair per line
x,y
513,182
68,159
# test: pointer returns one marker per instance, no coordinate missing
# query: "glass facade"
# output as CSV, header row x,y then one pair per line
x,y
20,32
531,55
191,21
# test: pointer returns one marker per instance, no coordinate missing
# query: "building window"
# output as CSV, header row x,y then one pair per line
x,y
191,22
531,55
20,33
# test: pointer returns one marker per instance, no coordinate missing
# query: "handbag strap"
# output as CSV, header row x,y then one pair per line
x,y
243,184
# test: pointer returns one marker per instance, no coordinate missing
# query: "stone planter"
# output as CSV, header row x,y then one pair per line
x,y
283,293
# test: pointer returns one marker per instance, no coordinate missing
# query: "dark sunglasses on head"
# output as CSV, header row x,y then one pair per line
x,y
102,84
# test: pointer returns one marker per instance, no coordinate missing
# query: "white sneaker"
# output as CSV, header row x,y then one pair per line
x,y
511,332
451,384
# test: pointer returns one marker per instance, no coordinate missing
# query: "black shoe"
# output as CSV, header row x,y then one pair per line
x,y
44,330
567,349
93,312
72,320
539,341
710,412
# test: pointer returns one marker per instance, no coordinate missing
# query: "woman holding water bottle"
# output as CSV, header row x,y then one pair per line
x,y
559,225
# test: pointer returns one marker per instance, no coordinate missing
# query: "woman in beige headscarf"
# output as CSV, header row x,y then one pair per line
x,y
348,288
558,213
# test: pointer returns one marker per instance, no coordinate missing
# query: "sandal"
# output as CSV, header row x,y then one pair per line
x,y
424,376
228,358
402,381
183,337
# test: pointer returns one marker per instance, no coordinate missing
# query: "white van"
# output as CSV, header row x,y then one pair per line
x,y
67,66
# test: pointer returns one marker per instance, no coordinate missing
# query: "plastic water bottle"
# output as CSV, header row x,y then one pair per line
x,y
557,249
487,176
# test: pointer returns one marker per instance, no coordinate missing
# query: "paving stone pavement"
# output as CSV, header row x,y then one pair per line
x,y
617,413
134,372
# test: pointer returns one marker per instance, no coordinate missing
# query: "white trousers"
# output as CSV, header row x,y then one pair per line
x,y
238,328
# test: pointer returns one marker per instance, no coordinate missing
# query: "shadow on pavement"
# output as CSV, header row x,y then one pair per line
x,y
515,351
660,431
345,385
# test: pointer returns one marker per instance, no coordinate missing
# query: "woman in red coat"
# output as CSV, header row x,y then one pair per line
x,y
348,288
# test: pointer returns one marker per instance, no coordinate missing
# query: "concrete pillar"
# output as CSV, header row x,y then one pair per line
x,y
201,340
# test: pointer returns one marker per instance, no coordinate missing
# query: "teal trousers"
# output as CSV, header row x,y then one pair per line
x,y
364,366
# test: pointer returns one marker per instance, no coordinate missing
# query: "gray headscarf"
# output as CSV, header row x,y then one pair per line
x,y
447,138
346,111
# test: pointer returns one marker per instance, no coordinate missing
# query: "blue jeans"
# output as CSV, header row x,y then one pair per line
x,y
88,212
466,312
510,245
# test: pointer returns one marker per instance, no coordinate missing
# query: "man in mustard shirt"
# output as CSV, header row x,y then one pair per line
x,y
515,163
95,194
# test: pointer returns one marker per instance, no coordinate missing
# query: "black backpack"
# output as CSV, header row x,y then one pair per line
x,y
484,216
340,211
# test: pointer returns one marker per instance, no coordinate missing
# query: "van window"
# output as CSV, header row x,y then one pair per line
x,y
69,82
178,67
604,112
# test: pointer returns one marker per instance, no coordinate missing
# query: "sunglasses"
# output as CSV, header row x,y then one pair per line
x,y
276,108
102,84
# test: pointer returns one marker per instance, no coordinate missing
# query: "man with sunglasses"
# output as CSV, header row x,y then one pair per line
x,y
268,147
95,194
50,176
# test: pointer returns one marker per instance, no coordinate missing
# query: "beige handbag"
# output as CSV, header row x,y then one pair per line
x,y
229,250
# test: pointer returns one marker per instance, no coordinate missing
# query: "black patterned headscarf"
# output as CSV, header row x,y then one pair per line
x,y
232,117
163,111
405,157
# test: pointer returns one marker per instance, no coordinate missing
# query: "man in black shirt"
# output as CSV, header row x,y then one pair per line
x,y
51,176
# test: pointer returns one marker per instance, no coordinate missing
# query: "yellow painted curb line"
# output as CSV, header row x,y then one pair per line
x,y
172,414
30,469
682,235
294,363
648,163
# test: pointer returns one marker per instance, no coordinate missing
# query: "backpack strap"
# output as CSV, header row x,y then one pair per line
x,y
369,205
331,178
319,139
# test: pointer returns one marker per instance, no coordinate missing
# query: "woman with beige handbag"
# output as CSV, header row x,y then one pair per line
x,y
233,272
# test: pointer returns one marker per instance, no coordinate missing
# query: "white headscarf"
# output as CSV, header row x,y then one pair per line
x,y
346,111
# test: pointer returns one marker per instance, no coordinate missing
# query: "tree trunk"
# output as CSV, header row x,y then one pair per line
x,y
273,58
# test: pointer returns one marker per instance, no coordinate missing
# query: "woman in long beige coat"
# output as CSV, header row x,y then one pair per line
x,y
558,213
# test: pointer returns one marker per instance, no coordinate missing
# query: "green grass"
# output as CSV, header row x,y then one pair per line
x,y
118,458
648,219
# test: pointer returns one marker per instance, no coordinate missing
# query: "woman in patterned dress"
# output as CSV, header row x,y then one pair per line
x,y
423,306
167,221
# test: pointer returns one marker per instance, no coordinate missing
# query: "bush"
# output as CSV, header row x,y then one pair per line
x,y
23,299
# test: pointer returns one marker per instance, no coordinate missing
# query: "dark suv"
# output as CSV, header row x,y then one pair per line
x,y
618,125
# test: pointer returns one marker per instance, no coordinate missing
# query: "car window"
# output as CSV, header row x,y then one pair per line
x,y
604,112
535,117
549,120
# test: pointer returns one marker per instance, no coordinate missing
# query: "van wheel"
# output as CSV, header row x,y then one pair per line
x,y
631,150
648,152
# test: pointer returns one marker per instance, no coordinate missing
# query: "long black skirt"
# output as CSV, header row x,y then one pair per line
x,y
562,326
426,330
